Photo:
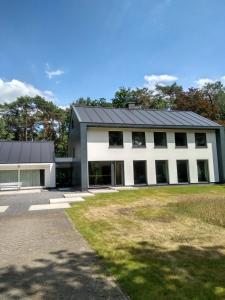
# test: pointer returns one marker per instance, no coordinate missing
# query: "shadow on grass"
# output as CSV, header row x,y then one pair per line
x,y
150,272
64,275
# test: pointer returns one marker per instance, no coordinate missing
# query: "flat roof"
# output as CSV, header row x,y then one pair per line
x,y
15,152
141,117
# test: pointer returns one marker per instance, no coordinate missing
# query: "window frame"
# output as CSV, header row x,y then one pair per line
x,y
206,143
160,146
188,171
167,171
115,131
139,146
186,142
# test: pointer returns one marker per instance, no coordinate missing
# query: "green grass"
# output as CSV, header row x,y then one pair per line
x,y
159,243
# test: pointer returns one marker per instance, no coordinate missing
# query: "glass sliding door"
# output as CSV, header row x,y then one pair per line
x,y
7,176
182,171
203,171
100,173
32,177
161,168
140,175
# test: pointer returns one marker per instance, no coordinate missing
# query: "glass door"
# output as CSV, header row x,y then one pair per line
x,y
119,173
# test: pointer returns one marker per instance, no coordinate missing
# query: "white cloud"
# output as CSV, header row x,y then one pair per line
x,y
52,73
10,90
202,81
152,80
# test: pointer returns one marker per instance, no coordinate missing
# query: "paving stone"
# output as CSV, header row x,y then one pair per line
x,y
102,191
3,208
48,206
78,195
66,200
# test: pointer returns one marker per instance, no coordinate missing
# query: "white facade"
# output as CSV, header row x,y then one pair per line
x,y
98,150
49,169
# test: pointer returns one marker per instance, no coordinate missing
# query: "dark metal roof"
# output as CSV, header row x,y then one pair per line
x,y
13,152
141,117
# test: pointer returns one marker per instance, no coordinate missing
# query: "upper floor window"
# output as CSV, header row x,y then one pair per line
x,y
200,139
180,139
115,138
160,139
138,139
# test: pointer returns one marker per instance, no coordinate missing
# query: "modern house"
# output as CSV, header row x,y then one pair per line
x,y
134,146
121,147
30,163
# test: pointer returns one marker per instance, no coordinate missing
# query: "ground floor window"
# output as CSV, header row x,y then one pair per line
x,y
203,170
162,174
140,174
182,171
106,173
27,177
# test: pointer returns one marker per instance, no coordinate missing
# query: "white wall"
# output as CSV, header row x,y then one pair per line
x,y
48,167
98,150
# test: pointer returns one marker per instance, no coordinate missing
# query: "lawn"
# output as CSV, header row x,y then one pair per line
x,y
159,243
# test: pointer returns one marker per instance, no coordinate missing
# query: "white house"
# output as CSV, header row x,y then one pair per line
x,y
144,147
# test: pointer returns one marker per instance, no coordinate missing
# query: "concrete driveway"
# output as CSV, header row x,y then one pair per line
x,y
43,257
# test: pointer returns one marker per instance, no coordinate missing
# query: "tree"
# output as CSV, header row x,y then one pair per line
x,y
92,102
122,97
168,95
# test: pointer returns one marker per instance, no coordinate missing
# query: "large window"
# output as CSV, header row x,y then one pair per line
x,y
203,171
180,139
200,140
100,173
182,171
138,139
27,177
162,175
160,140
140,176
115,138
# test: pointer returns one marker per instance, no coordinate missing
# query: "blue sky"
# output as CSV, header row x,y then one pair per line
x,y
68,49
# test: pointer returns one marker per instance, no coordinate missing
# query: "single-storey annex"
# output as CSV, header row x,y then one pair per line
x,y
32,164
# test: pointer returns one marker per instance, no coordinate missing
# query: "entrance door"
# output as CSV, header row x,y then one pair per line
x,y
140,172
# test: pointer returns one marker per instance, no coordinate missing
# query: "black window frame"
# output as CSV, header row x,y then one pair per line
x,y
205,137
207,175
176,134
188,171
145,182
138,133
166,162
116,145
165,139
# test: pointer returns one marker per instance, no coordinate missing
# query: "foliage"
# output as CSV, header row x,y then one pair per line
x,y
92,102
152,249
34,118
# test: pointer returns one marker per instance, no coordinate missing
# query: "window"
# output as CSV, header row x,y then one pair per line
x,y
115,138
100,173
180,139
160,139
138,139
203,171
200,140
140,172
182,171
162,175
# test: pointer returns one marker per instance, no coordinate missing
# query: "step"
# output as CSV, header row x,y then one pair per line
x,y
102,191
66,200
125,188
49,206
72,195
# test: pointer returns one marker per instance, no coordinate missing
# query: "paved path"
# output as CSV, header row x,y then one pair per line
x,y
43,257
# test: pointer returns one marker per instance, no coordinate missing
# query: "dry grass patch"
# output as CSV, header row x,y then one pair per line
x,y
165,243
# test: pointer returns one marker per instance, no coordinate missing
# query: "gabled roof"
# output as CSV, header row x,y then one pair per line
x,y
13,152
141,117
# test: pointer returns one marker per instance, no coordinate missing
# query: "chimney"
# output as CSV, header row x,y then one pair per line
x,y
131,105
